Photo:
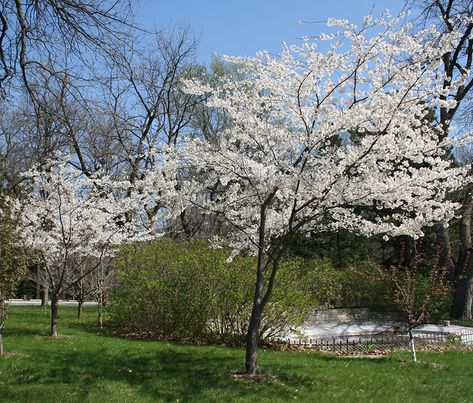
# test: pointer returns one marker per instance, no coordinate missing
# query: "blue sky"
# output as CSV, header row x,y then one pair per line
x,y
243,27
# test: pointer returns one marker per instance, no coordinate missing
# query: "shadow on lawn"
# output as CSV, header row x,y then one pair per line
x,y
382,359
154,370
21,331
164,374
196,369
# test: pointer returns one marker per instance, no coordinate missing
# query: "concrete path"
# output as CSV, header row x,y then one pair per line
x,y
37,302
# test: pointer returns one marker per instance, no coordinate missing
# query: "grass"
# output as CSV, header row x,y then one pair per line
x,y
87,365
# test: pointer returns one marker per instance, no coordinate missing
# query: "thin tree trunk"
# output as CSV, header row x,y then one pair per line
x,y
37,283
260,301
80,297
54,314
1,342
413,347
262,295
80,308
100,312
45,299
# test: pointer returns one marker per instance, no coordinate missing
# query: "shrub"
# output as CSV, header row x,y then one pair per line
x,y
349,287
361,288
189,290
321,281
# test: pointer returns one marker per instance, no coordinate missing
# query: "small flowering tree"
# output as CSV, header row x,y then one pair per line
x,y
70,220
418,296
321,140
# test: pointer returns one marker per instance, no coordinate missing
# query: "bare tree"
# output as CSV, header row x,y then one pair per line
x,y
144,103
46,82
36,36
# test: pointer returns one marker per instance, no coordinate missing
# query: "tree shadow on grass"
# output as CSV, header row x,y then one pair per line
x,y
192,372
21,331
375,359
167,375
155,370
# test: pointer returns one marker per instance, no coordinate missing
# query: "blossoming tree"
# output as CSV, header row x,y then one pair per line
x,y
70,220
321,140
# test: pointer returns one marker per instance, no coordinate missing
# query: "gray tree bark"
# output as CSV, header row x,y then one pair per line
x,y
54,315
463,295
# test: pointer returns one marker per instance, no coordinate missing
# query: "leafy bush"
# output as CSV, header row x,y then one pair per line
x,y
189,290
349,287
321,281
361,288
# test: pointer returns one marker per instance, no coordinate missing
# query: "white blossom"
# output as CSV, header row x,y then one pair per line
x,y
325,140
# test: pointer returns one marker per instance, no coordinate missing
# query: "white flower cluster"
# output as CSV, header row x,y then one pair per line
x,y
327,140
68,216
317,140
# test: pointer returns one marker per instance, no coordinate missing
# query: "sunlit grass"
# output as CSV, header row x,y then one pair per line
x,y
86,364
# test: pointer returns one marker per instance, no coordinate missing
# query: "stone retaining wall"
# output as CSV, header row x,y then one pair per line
x,y
351,315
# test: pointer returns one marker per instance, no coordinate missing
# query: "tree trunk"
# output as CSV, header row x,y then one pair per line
x,y
412,345
45,299
1,342
100,311
260,300
408,252
80,294
463,294
462,297
444,250
262,295
54,314
80,308
252,336
38,283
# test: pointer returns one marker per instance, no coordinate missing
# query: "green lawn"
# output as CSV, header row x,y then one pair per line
x,y
88,365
